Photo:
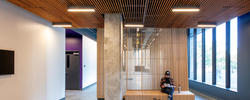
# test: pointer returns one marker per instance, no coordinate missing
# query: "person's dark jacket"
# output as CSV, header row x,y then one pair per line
x,y
166,80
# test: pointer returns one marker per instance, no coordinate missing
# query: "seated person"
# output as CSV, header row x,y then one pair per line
x,y
167,85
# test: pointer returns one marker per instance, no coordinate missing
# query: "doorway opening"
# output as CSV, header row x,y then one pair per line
x,y
81,64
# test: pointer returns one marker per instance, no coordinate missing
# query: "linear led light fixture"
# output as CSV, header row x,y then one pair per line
x,y
81,9
206,24
62,24
186,9
134,25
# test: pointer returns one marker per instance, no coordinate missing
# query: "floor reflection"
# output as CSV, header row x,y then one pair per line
x,y
90,94
86,94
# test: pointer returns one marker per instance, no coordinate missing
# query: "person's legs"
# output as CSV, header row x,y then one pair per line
x,y
171,93
170,97
168,91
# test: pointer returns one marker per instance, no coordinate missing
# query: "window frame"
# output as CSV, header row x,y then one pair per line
x,y
214,62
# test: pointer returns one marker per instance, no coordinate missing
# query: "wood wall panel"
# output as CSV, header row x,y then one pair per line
x,y
171,49
168,51
100,58
145,95
157,95
152,13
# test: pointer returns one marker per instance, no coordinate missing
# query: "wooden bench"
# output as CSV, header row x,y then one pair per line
x,y
157,95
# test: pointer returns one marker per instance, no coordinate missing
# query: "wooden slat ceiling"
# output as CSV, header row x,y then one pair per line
x,y
152,13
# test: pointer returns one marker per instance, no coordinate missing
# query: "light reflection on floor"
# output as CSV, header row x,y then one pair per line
x,y
87,94
90,94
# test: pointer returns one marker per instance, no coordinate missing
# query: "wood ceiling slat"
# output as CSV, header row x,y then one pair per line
x,y
137,10
169,13
158,12
123,3
142,9
133,10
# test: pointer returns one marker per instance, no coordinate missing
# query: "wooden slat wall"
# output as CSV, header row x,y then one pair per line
x,y
100,64
168,52
157,95
180,64
145,95
152,13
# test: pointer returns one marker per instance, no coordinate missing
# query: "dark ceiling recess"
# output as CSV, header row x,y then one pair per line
x,y
88,32
152,13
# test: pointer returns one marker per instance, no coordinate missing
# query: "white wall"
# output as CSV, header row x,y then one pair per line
x,y
39,56
90,60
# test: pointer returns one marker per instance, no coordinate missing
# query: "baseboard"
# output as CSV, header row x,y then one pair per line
x,y
63,98
88,86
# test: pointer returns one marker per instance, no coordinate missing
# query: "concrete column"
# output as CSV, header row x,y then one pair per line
x,y
112,56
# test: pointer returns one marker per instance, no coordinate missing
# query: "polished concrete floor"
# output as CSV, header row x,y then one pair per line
x,y
90,94
86,94
199,96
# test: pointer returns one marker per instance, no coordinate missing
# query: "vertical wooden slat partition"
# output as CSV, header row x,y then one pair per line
x,y
100,71
168,51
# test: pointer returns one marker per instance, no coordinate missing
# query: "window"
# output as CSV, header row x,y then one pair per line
x,y
199,55
233,52
208,55
225,57
191,53
221,54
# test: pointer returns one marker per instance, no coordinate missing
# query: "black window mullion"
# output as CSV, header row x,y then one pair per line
x,y
203,55
214,57
228,54
195,53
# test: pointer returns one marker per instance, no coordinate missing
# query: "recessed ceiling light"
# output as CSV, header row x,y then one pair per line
x,y
206,24
134,25
62,24
81,9
186,9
